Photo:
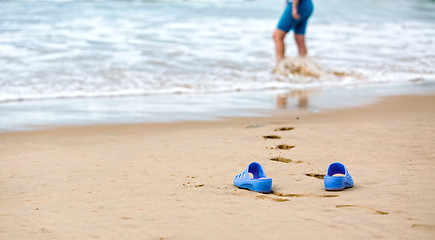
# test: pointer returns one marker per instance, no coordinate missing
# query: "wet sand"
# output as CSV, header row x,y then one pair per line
x,y
174,180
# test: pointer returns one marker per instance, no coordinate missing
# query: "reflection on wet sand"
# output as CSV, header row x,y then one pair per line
x,y
301,95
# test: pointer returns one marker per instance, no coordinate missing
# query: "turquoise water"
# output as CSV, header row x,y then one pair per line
x,y
77,52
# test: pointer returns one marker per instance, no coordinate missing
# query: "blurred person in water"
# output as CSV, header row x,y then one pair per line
x,y
295,17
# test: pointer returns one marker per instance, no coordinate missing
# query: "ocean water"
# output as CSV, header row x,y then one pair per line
x,y
68,49
90,50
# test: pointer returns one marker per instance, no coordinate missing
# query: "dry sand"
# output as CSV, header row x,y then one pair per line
x,y
174,181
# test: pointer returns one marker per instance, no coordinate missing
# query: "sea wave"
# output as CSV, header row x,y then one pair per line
x,y
125,48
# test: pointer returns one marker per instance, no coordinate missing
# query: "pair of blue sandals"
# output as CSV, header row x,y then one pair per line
x,y
336,179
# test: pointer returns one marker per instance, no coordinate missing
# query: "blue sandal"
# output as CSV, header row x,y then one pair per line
x,y
258,183
337,177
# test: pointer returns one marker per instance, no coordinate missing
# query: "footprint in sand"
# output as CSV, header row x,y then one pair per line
x,y
271,137
281,159
284,160
283,197
284,129
255,126
284,147
423,226
272,198
363,207
303,195
316,175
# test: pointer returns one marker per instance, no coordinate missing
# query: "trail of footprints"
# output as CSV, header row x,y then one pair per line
x,y
281,146
282,197
288,147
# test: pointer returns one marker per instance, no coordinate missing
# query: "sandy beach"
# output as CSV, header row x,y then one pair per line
x,y
130,119
174,180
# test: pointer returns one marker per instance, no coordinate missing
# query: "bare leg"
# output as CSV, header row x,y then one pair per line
x,y
300,41
278,37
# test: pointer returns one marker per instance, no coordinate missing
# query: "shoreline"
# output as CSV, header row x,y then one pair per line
x,y
174,180
44,114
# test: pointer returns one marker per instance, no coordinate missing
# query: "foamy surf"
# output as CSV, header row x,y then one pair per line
x,y
304,66
307,73
83,49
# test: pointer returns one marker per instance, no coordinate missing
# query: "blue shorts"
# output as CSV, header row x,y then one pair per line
x,y
287,22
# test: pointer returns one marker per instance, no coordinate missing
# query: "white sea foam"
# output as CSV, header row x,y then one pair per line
x,y
68,49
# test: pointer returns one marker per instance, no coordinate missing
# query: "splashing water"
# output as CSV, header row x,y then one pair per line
x,y
304,66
